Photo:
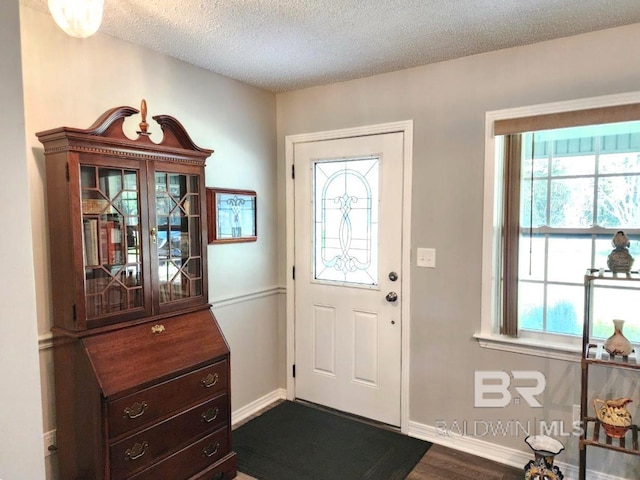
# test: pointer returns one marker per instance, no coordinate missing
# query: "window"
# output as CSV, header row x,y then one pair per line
x,y
559,196
346,221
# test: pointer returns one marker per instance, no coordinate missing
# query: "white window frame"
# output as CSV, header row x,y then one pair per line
x,y
562,347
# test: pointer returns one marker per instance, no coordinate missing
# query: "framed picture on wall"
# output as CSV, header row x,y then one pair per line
x,y
232,215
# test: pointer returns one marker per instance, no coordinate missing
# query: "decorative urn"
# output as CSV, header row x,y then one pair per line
x,y
545,449
617,344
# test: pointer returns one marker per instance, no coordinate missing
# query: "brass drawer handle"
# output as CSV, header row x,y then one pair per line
x,y
210,415
136,410
210,380
137,451
210,450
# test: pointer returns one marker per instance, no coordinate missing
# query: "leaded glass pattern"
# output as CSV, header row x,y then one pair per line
x,y
345,212
178,236
236,215
111,247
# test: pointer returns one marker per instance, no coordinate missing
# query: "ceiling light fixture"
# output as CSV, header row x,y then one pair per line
x,y
78,18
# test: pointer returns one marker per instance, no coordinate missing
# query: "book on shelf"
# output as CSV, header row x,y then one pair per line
x,y
115,243
115,296
96,280
94,206
111,242
165,295
94,305
90,237
104,242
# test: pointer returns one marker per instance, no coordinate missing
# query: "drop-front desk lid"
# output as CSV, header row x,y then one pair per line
x,y
134,356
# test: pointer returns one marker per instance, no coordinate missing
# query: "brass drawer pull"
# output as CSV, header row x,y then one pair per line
x,y
210,450
136,452
210,380
136,410
210,415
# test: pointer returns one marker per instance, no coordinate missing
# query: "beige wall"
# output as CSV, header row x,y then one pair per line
x,y
447,102
21,451
70,82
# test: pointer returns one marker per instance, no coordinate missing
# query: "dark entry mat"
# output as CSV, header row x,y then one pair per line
x,y
293,441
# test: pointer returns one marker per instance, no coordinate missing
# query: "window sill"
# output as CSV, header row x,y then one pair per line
x,y
557,351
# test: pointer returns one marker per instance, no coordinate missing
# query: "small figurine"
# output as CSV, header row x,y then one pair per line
x,y
620,260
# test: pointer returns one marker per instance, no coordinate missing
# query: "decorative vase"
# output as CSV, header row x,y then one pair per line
x,y
617,344
545,449
620,260
613,416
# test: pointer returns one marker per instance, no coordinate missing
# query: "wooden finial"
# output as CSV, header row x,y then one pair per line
x,y
143,124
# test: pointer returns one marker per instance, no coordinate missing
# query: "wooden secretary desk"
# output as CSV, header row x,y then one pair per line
x,y
141,367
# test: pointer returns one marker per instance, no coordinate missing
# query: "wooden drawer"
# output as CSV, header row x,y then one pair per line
x,y
147,405
190,460
140,450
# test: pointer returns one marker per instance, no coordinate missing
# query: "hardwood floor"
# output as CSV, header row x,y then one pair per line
x,y
441,463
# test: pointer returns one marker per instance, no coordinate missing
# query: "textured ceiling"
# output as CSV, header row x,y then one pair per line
x,y
282,45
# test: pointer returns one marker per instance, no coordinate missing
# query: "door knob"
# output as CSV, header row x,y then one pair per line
x,y
392,297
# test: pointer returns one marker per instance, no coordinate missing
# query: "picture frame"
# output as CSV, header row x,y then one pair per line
x,y
232,215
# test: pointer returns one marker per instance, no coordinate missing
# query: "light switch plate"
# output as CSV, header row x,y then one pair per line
x,y
426,257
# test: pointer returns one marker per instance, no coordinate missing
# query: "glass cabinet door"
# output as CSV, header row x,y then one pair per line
x,y
110,231
178,236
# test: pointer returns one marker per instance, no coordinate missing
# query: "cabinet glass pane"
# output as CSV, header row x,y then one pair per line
x,y
179,236
110,230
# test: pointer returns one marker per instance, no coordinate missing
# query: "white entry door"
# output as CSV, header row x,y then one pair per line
x,y
348,278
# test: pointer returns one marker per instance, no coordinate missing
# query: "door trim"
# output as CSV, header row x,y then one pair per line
x,y
405,127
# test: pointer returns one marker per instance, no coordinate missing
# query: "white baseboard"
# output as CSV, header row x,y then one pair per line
x,y
257,405
491,451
